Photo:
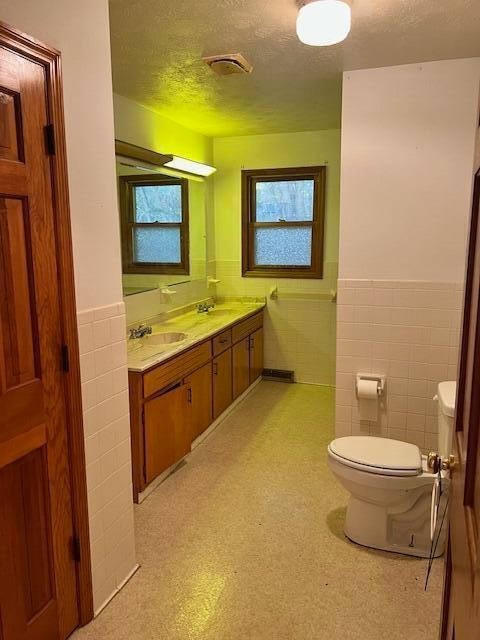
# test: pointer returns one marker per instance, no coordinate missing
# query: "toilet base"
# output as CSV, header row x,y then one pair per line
x,y
393,529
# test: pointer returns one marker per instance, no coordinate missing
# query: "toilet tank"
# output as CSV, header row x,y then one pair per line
x,y
446,395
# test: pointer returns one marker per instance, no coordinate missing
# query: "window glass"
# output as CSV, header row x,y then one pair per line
x,y
156,244
291,246
158,203
289,200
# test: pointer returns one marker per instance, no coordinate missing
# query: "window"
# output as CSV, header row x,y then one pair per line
x,y
154,215
282,222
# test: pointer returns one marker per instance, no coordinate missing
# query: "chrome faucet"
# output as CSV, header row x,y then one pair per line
x,y
140,331
203,307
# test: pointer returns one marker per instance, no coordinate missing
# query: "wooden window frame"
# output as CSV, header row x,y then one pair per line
x,y
127,185
250,178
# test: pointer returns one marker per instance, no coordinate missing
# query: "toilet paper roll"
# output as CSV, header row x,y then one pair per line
x,y
367,395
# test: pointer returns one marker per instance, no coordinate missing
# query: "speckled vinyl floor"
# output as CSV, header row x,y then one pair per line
x,y
245,541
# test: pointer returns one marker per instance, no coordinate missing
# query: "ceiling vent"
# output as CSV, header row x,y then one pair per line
x,y
228,64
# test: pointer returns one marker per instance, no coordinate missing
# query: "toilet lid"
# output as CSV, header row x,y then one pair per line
x,y
378,455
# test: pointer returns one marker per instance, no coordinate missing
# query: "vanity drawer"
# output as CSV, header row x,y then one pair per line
x,y
222,342
176,368
248,326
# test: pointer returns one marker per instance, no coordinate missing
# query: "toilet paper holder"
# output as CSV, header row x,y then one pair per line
x,y
380,380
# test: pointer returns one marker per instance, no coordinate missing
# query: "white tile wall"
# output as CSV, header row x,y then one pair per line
x,y
103,363
408,331
300,336
299,332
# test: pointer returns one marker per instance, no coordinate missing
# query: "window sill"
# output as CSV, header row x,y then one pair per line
x,y
279,274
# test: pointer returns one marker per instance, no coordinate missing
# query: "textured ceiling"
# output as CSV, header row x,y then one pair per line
x,y
157,47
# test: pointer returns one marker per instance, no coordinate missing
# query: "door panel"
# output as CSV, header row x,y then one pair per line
x,y
167,431
26,558
463,619
199,396
241,366
162,416
11,147
222,382
183,432
256,355
17,320
38,592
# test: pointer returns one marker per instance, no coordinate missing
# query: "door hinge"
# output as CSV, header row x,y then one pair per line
x,y
65,358
77,556
49,139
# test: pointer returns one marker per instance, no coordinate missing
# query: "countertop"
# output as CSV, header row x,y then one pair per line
x,y
143,354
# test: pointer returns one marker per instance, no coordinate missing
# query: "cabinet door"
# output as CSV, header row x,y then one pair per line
x,y
199,397
241,366
222,382
256,355
166,431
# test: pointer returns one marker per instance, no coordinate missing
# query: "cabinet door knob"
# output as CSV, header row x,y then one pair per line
x,y
189,395
215,368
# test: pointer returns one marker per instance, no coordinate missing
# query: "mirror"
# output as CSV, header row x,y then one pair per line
x,y
163,227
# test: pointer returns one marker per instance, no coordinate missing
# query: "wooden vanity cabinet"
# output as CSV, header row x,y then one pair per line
x,y
172,403
256,355
222,382
247,353
166,431
241,366
199,399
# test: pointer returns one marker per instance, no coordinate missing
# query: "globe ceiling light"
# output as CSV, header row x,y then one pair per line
x,y
322,23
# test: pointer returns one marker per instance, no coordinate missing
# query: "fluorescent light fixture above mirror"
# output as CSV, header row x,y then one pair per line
x,y
322,23
190,166
146,159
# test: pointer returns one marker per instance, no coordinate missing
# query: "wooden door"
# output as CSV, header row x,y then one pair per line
x,y
256,355
38,593
241,366
222,382
199,396
461,619
166,426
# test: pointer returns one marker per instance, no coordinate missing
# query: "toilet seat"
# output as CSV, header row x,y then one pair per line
x,y
381,456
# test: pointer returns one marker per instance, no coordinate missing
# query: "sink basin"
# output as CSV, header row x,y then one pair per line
x,y
166,338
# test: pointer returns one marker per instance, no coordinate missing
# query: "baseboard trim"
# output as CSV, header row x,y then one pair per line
x,y
116,590
316,384
158,480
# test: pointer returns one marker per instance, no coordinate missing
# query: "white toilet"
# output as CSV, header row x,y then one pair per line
x,y
391,486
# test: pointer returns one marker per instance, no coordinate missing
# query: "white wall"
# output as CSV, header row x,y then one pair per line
x,y
407,155
144,127
408,144
80,31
